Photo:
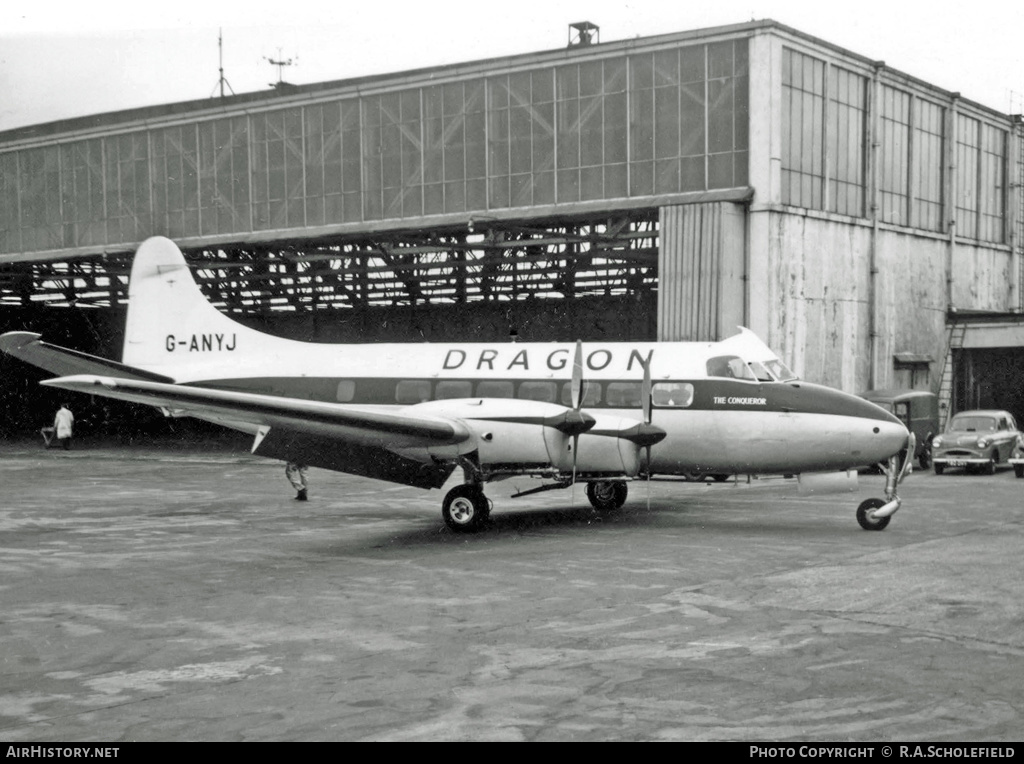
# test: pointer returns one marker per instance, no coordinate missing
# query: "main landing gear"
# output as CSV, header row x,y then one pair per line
x,y
875,514
605,495
465,508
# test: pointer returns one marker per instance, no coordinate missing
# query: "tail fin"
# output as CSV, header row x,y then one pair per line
x,y
171,326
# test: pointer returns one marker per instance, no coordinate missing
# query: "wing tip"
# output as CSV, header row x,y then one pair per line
x,y
11,342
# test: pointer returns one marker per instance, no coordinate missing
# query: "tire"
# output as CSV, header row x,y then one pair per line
x,y
1018,470
939,468
924,459
720,477
866,522
990,468
606,495
694,477
465,508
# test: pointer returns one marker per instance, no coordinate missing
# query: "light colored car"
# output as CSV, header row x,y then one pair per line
x,y
977,441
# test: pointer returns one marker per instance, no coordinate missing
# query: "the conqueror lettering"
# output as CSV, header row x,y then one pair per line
x,y
722,400
491,359
201,343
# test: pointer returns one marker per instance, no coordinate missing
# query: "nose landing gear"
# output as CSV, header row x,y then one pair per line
x,y
875,514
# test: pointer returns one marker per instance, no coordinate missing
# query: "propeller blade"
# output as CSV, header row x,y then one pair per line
x,y
576,391
576,387
645,393
647,401
648,450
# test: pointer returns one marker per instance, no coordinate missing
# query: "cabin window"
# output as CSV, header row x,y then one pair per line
x,y
731,366
624,395
672,394
495,389
538,391
591,393
412,391
346,392
453,388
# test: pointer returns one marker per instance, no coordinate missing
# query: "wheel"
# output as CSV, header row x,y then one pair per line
x,y
990,467
465,508
866,522
694,477
939,468
1018,470
925,458
605,495
720,477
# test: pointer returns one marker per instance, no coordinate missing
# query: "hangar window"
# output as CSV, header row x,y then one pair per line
x,y
927,201
803,92
731,366
894,159
495,389
346,391
538,391
624,394
591,393
677,394
453,388
412,391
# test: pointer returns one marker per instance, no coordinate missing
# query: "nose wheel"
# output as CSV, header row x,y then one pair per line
x,y
864,515
465,508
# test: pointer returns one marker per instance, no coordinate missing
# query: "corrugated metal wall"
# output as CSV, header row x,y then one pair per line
x,y
701,271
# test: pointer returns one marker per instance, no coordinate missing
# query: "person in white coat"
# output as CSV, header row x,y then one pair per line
x,y
64,423
296,474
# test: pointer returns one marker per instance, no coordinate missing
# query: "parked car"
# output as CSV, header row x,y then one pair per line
x,y
977,440
918,410
1017,460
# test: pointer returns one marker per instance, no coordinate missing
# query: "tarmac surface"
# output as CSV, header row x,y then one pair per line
x,y
158,595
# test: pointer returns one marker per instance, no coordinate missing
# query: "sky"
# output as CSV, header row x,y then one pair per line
x,y
63,59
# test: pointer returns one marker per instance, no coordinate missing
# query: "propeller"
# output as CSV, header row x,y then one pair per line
x,y
646,401
576,393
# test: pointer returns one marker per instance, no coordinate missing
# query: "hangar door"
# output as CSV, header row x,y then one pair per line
x,y
991,378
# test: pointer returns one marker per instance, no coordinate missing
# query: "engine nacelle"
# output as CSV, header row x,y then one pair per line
x,y
513,435
603,452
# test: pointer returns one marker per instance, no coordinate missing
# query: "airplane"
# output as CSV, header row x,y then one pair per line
x,y
599,413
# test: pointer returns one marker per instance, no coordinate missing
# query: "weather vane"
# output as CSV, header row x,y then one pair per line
x,y
280,63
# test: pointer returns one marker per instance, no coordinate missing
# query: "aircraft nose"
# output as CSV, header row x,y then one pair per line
x,y
880,434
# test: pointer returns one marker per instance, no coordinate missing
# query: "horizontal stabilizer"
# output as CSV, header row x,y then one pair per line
x,y
27,347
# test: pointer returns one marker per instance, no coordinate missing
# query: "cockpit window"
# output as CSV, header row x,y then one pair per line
x,y
760,372
780,371
729,366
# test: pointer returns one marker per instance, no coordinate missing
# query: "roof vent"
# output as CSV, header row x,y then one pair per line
x,y
584,33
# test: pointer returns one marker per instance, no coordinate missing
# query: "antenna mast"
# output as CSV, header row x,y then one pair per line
x,y
220,53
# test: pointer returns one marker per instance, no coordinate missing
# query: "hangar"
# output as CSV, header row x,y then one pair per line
x,y
864,223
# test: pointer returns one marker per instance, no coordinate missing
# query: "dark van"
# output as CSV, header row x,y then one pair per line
x,y
918,410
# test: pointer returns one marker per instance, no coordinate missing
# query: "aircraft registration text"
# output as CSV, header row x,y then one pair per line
x,y
198,343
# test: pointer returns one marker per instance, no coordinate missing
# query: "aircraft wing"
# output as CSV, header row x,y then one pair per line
x,y
27,347
332,435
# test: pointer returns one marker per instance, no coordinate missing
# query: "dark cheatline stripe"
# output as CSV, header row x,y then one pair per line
x,y
709,394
